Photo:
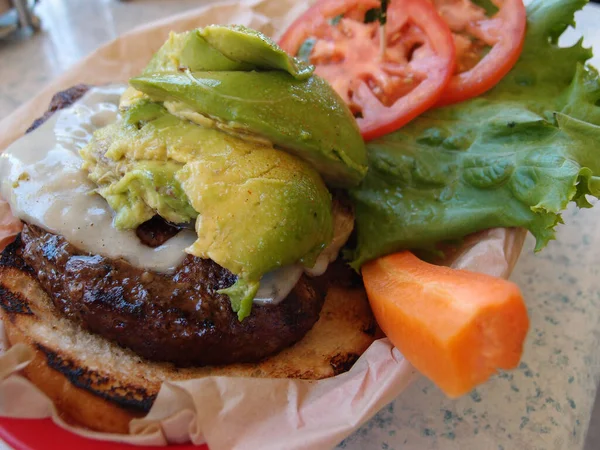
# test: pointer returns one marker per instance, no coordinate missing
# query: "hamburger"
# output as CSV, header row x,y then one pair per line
x,y
184,226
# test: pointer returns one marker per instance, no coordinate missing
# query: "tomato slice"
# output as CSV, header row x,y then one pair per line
x,y
385,88
501,36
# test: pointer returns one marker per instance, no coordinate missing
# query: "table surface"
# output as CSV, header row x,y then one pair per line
x,y
545,404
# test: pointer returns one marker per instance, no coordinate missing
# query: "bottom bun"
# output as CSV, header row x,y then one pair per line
x,y
99,385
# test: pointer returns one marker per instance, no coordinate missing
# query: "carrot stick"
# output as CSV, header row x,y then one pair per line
x,y
456,327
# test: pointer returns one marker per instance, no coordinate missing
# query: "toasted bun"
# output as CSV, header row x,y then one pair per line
x,y
99,385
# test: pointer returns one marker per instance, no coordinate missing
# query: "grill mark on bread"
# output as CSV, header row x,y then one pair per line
x,y
130,397
14,303
11,256
343,362
371,329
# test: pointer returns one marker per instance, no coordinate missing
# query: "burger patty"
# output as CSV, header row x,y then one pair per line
x,y
179,317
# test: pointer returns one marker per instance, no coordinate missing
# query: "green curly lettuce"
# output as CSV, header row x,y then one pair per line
x,y
514,157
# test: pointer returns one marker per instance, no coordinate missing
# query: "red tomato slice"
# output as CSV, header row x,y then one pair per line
x,y
385,90
503,34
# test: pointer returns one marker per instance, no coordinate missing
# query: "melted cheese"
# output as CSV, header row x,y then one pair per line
x,y
42,179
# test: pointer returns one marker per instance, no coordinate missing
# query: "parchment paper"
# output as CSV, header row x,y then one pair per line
x,y
232,413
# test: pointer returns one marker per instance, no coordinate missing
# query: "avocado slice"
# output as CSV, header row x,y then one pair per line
x,y
190,50
224,48
148,188
244,81
246,45
260,209
128,162
304,117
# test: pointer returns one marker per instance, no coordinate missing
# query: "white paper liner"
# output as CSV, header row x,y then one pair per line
x,y
235,413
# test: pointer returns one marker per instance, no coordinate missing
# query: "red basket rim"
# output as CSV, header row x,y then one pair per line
x,y
36,434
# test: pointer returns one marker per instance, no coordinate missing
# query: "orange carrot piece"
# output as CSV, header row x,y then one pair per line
x,y
456,327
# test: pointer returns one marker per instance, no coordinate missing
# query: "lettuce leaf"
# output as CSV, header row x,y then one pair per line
x,y
514,157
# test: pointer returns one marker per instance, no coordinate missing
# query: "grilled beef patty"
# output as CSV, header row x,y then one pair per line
x,y
178,317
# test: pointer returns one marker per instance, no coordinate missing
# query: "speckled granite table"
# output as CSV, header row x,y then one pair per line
x,y
545,404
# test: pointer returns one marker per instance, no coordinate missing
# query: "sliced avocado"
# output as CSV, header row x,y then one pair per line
x,y
142,112
224,48
190,50
243,44
151,184
130,97
240,78
260,209
134,163
306,117
149,132
241,295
